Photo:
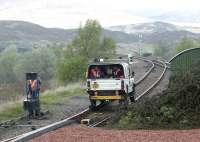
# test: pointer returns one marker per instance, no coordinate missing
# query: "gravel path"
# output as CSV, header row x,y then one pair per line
x,y
78,133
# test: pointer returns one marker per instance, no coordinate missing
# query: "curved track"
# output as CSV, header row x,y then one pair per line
x,y
151,80
143,86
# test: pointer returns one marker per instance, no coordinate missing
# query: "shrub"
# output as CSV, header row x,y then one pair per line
x,y
72,69
177,107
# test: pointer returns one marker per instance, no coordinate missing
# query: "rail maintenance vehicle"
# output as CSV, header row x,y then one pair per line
x,y
111,79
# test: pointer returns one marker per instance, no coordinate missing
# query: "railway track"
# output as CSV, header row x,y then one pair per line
x,y
143,86
93,119
16,122
156,74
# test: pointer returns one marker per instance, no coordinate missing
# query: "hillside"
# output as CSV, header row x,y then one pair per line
x,y
27,35
146,28
155,32
19,30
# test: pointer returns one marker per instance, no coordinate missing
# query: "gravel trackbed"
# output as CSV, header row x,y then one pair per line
x,y
78,133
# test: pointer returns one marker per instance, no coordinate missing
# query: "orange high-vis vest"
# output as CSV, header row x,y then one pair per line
x,y
33,84
95,73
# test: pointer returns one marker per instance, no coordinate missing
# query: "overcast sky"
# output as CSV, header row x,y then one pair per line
x,y
70,13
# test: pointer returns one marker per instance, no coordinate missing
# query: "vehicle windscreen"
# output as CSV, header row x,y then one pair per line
x,y
105,71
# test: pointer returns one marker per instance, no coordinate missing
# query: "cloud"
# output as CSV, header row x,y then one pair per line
x,y
69,14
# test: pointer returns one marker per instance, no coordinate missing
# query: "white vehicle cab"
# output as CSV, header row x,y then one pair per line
x,y
111,79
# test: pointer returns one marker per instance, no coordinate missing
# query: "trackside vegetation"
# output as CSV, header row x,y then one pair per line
x,y
177,107
168,50
49,97
11,110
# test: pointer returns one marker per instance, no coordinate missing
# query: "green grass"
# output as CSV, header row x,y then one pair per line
x,y
11,110
15,109
53,97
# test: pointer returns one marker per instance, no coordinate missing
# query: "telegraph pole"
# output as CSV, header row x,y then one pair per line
x,y
140,40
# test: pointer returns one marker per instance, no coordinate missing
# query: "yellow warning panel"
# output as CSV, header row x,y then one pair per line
x,y
106,97
95,85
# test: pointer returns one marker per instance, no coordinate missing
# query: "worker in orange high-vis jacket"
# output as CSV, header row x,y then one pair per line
x,y
33,88
117,73
95,72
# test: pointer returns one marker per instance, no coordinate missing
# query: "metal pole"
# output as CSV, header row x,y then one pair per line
x,y
140,40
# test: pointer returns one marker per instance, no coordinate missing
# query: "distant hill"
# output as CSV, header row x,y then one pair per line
x,y
146,28
155,32
19,30
26,35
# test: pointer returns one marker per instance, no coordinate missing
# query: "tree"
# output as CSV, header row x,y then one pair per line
x,y
88,42
162,50
7,62
72,69
86,45
108,45
185,43
41,60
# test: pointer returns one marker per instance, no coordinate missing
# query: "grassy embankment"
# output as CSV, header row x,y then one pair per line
x,y
14,109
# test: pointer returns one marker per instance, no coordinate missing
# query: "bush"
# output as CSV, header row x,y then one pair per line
x,y
39,60
177,107
167,113
8,60
72,69
14,65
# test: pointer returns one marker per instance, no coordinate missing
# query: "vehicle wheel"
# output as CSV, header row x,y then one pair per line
x,y
102,101
132,94
133,88
120,102
132,99
93,105
126,101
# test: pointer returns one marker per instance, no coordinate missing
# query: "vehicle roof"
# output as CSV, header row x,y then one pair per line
x,y
108,63
124,64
